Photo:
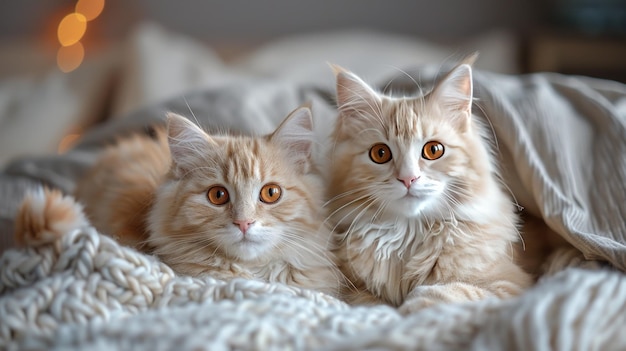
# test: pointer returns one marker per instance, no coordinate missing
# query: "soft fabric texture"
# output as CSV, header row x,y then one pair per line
x,y
88,292
562,147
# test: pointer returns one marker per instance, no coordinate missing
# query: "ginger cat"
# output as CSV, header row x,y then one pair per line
x,y
207,205
414,195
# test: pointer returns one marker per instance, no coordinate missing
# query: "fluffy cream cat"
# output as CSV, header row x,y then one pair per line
x,y
414,194
219,205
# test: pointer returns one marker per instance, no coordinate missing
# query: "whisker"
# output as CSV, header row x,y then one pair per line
x,y
358,216
417,85
350,192
189,107
369,198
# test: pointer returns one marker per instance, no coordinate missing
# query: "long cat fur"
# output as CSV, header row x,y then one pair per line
x,y
452,240
151,194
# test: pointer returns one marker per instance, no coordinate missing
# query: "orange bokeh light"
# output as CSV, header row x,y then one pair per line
x,y
70,57
71,29
91,9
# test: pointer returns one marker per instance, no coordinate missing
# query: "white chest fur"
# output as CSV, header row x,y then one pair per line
x,y
392,259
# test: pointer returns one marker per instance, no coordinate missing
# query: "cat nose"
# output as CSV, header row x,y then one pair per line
x,y
243,224
408,180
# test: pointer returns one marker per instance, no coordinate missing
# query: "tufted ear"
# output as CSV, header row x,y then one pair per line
x,y
354,96
295,135
185,140
455,90
454,93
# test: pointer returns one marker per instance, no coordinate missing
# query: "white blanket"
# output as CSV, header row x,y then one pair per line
x,y
88,293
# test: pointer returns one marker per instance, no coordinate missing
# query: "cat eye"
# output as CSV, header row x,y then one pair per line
x,y
380,153
218,195
433,150
270,193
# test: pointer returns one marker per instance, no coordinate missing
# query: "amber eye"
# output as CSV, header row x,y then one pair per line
x,y
218,195
270,193
433,150
380,153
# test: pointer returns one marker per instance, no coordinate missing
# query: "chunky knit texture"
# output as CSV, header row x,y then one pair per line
x,y
86,292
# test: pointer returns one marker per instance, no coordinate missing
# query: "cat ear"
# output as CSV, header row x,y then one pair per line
x,y
455,93
184,139
353,94
295,134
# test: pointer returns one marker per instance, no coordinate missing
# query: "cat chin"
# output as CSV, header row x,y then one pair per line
x,y
410,207
252,247
248,251
416,203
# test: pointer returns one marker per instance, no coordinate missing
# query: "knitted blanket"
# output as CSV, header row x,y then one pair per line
x,y
86,292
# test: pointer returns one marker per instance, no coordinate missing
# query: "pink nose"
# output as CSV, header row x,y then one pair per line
x,y
408,180
243,224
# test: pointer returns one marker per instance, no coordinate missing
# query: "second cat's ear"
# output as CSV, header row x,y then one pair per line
x,y
454,92
353,94
295,135
184,136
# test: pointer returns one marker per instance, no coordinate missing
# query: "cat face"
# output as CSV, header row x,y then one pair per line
x,y
407,157
411,170
243,197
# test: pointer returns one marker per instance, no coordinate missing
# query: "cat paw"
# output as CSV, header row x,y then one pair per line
x,y
426,296
416,304
45,215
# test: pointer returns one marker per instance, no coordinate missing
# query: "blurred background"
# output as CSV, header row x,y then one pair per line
x,y
68,65
237,26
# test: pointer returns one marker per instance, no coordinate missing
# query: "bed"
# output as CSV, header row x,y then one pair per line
x,y
561,143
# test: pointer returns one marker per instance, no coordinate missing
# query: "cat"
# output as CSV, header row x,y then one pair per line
x,y
224,206
420,215
120,188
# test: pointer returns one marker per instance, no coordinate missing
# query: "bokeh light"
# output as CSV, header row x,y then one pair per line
x,y
71,29
91,9
70,57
